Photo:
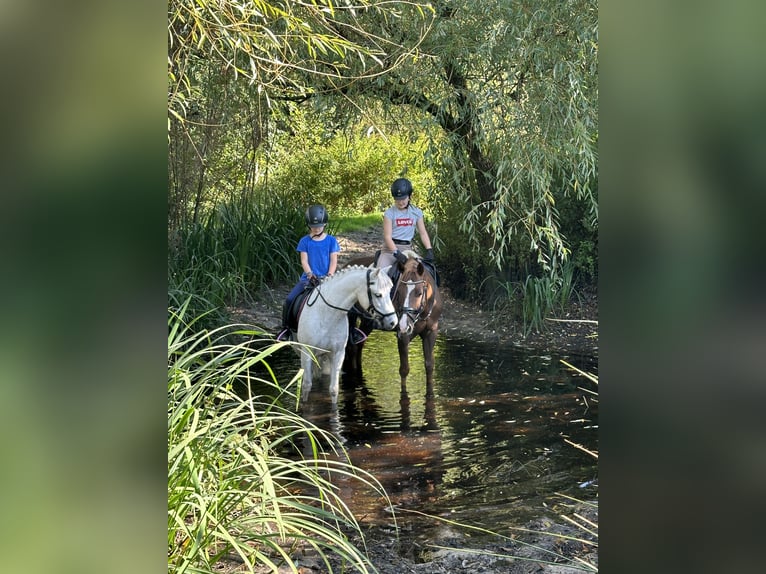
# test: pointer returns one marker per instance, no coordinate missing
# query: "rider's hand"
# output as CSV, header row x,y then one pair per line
x,y
429,255
400,257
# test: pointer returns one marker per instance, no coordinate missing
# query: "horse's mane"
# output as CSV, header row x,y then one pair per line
x,y
410,254
342,271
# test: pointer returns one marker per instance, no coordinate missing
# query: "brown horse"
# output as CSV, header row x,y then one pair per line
x,y
418,305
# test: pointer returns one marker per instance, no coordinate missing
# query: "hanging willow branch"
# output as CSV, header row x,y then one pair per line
x,y
281,45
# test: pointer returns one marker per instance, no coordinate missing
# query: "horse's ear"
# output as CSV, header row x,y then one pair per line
x,y
421,267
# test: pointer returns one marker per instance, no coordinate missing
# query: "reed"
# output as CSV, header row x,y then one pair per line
x,y
249,480
235,250
535,298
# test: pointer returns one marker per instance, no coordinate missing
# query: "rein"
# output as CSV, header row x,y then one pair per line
x,y
370,313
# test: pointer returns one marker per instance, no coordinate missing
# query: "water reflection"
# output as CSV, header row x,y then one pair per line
x,y
488,446
404,454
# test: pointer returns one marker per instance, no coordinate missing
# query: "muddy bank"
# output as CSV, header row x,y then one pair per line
x,y
552,548
548,547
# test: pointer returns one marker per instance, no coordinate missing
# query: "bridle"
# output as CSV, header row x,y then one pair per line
x,y
370,313
415,313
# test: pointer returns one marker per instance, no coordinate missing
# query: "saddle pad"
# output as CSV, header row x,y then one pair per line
x,y
295,309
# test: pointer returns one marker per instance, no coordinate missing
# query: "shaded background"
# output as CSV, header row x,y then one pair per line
x,y
83,299
682,195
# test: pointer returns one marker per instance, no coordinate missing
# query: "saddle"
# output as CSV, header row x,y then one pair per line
x,y
431,268
294,312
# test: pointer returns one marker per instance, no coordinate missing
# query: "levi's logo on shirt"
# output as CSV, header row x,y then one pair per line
x,y
404,222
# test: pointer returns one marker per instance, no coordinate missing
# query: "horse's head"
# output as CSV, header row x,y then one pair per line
x,y
412,294
378,295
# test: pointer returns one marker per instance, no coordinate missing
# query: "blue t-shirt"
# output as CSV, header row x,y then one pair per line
x,y
318,253
403,221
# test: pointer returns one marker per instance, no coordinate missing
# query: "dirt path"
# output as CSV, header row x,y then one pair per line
x,y
459,318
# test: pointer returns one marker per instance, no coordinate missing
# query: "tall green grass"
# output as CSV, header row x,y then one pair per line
x,y
249,480
234,251
544,295
228,257
535,298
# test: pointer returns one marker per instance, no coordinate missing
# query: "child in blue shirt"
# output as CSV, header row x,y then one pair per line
x,y
319,258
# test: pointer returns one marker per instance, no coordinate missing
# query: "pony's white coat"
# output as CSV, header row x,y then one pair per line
x,y
323,324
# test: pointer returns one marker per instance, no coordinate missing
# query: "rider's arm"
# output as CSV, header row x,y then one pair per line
x,y
305,263
333,262
424,234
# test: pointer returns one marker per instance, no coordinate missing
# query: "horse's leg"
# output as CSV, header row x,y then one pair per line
x,y
356,357
353,358
404,408
352,362
366,326
336,365
326,365
429,340
307,363
403,342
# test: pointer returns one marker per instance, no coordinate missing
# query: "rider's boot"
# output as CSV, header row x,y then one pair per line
x,y
285,334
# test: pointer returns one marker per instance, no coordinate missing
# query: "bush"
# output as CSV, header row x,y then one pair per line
x,y
350,173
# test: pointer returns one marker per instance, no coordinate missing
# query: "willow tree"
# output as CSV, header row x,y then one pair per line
x,y
281,46
513,85
231,62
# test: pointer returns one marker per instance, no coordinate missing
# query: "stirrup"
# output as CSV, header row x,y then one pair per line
x,y
285,335
357,336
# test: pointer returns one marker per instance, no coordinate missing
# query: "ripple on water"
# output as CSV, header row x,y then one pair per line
x,y
487,447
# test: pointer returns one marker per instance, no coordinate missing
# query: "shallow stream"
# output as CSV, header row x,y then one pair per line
x,y
488,448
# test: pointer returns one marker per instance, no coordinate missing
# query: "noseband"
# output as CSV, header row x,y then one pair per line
x,y
416,313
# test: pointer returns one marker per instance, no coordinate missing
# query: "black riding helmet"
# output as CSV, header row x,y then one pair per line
x,y
316,215
401,188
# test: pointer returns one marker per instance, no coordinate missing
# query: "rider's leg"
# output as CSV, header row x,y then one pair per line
x,y
285,333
